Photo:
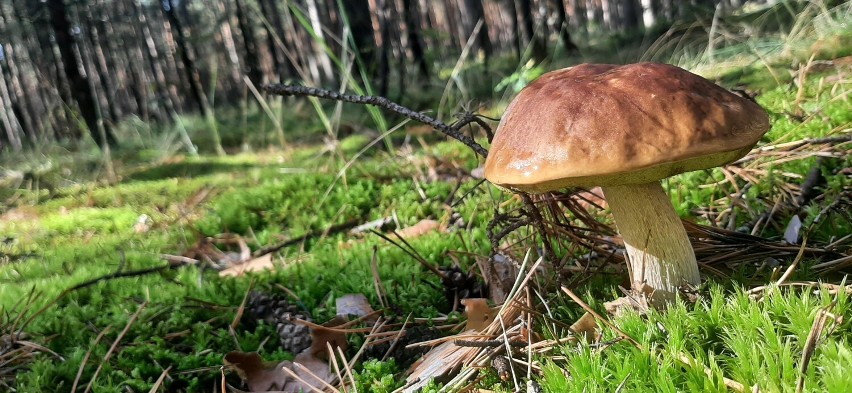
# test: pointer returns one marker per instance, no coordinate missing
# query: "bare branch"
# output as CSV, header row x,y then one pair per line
x,y
381,102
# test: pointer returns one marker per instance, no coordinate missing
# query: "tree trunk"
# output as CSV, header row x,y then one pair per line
x,y
186,56
275,53
649,12
255,74
188,60
319,52
471,13
507,7
629,14
81,90
286,40
8,117
164,89
537,46
51,67
562,24
415,37
103,75
230,47
383,71
13,54
361,27
606,14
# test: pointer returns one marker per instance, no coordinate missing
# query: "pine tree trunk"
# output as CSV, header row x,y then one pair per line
x,y
630,13
508,8
65,125
320,55
9,119
230,47
103,75
415,37
383,72
13,52
188,60
81,90
563,25
275,53
285,45
361,28
254,72
537,44
471,13
164,89
649,12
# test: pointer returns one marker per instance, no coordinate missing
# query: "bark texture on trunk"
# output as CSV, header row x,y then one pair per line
x,y
81,90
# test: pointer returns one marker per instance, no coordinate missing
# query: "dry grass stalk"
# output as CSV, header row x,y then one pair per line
x,y
301,380
715,245
16,352
86,357
760,292
347,365
332,359
448,358
820,323
114,345
159,381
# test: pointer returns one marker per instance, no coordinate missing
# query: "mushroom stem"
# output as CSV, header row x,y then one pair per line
x,y
659,253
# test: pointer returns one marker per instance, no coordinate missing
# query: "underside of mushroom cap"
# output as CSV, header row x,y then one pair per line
x,y
597,124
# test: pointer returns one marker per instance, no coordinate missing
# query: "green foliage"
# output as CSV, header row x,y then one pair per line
x,y
377,376
749,341
92,220
520,78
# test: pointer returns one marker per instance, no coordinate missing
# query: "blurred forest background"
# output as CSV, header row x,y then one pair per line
x,y
71,69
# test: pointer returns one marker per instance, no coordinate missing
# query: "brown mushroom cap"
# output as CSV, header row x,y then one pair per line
x,y
600,125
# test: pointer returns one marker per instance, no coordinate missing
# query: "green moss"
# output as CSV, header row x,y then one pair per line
x,y
751,342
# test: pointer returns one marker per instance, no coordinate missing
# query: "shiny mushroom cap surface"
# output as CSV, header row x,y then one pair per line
x,y
599,124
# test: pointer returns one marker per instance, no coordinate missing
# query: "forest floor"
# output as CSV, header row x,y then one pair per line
x,y
141,285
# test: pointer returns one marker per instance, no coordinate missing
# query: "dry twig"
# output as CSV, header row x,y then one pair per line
x,y
382,102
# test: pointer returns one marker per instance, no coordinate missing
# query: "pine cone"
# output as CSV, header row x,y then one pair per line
x,y
459,285
275,310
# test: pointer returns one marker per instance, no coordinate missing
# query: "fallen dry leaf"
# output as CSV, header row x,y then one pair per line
x,y
586,328
320,336
259,375
304,374
478,314
634,300
421,228
312,375
261,263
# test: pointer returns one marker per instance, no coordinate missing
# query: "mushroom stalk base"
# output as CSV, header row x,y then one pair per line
x,y
658,251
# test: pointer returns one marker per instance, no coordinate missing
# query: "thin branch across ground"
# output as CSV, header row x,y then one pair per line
x,y
382,102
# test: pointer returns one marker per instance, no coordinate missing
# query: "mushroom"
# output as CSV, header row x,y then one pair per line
x,y
625,128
